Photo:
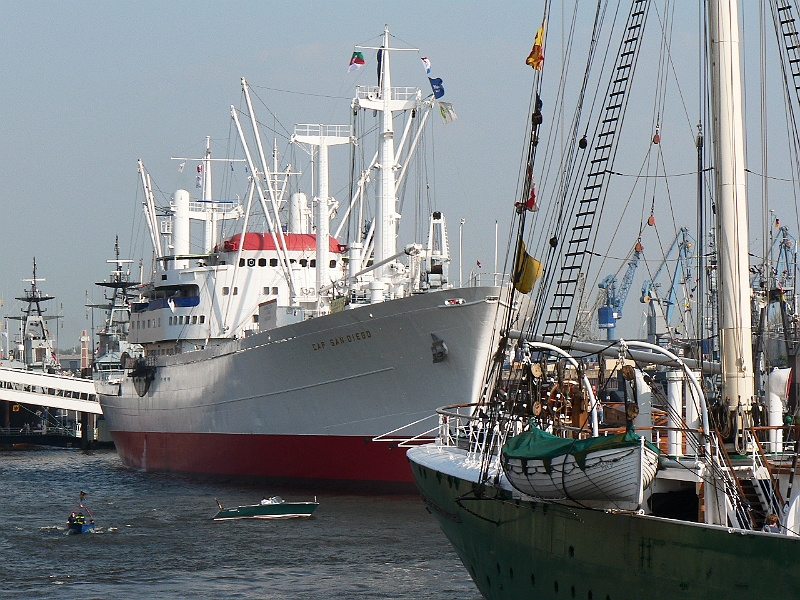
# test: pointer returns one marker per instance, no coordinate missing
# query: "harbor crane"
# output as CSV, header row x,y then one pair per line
x,y
611,311
661,307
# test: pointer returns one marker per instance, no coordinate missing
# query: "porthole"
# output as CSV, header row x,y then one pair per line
x,y
262,262
241,262
251,262
273,262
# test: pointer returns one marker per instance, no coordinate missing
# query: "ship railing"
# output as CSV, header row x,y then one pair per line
x,y
373,92
482,279
765,482
320,130
408,441
471,428
50,430
739,511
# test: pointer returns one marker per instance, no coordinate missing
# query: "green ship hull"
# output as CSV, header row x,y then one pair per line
x,y
521,549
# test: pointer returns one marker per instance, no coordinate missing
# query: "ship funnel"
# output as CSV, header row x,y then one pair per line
x,y
180,229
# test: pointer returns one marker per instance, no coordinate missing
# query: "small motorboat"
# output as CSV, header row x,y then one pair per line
x,y
269,508
80,518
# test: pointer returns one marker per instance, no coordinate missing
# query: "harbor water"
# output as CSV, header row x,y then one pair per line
x,y
155,538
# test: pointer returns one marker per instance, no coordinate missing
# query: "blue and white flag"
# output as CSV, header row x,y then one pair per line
x,y
437,87
427,64
199,183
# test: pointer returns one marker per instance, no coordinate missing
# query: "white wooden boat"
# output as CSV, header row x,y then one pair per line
x,y
618,471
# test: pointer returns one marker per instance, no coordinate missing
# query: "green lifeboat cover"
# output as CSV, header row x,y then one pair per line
x,y
536,444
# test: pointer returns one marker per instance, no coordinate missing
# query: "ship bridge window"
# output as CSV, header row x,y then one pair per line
x,y
202,318
303,262
333,264
262,262
273,262
194,320
275,291
255,318
226,290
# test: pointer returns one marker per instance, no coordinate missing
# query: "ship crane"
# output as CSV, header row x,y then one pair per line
x,y
611,311
661,307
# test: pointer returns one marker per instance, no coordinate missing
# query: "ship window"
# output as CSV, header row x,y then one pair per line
x,y
241,262
303,262
312,263
255,318
262,262
251,262
194,320
333,264
148,323
202,318
159,321
273,262
226,290
275,291
235,291
292,261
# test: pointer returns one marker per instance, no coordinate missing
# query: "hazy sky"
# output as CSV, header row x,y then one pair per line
x,y
88,88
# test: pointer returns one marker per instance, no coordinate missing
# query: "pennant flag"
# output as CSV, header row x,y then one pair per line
x,y
199,183
437,87
380,64
536,57
427,64
180,167
479,264
448,114
199,168
527,270
356,62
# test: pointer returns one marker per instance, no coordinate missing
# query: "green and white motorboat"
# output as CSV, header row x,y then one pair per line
x,y
269,508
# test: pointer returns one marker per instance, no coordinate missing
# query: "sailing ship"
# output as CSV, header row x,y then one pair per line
x,y
280,353
521,477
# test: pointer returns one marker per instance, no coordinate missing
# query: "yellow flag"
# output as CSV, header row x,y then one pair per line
x,y
536,57
527,270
